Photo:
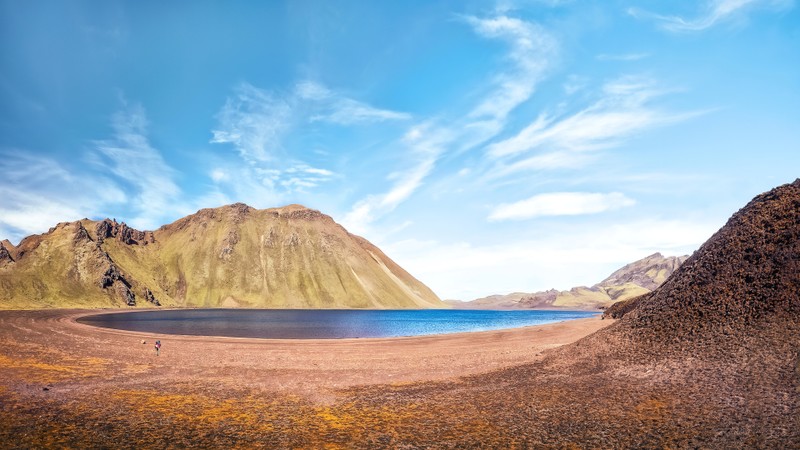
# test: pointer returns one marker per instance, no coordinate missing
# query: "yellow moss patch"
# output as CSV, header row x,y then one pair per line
x,y
66,368
652,409
198,408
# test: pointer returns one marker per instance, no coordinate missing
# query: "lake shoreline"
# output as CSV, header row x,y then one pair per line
x,y
54,338
326,324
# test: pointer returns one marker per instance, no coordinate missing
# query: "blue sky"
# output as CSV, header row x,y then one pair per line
x,y
486,147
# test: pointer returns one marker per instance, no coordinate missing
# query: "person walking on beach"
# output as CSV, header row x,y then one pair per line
x,y
158,347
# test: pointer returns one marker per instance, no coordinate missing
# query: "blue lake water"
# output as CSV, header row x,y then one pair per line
x,y
324,324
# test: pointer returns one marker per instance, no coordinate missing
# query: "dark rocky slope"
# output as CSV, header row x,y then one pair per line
x,y
711,359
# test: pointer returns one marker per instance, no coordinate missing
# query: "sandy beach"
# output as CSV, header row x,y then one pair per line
x,y
51,362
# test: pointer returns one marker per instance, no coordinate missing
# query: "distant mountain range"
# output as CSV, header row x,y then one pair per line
x,y
634,279
232,256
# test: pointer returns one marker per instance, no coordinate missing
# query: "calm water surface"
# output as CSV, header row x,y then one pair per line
x,y
324,324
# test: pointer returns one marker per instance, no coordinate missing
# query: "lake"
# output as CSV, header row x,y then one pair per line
x,y
324,324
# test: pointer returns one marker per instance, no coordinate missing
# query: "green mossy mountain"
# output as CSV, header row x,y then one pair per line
x,y
232,256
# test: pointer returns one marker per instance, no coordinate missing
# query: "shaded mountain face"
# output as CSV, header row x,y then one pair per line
x,y
633,280
746,276
232,256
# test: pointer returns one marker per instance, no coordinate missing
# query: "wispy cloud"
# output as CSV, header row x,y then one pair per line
x,y
581,254
426,143
531,51
713,12
622,56
561,204
254,121
335,108
153,193
257,121
623,110
125,169
37,192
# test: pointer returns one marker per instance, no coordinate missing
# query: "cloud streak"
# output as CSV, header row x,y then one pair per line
x,y
130,156
255,122
335,108
531,51
622,57
426,143
561,204
549,142
37,192
714,12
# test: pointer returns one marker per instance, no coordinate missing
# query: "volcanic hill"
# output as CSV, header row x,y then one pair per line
x,y
710,359
718,344
636,278
232,256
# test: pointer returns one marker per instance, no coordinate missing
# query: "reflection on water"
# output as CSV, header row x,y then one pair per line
x,y
324,324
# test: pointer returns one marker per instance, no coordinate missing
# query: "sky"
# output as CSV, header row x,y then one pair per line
x,y
487,147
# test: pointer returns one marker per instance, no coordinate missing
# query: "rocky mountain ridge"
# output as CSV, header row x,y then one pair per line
x,y
232,256
632,280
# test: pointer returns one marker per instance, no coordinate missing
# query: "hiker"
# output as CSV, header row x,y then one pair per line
x,y
158,346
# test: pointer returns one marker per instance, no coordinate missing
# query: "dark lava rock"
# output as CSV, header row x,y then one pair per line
x,y
745,276
148,295
110,276
5,255
81,235
126,294
122,232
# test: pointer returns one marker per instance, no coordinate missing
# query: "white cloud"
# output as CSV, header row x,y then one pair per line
x,y
365,211
37,192
714,12
130,157
546,161
623,110
583,255
622,57
219,175
254,121
532,51
329,106
561,204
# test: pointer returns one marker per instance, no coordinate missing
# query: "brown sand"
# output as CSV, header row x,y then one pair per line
x,y
66,384
312,367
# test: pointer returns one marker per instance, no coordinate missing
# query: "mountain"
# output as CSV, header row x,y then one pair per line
x,y
710,359
747,275
232,256
717,345
634,279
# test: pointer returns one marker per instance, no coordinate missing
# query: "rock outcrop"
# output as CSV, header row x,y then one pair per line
x,y
122,232
5,255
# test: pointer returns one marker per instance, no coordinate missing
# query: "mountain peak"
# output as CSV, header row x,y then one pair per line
x,y
232,255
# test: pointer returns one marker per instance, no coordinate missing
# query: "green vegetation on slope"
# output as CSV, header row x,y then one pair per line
x,y
233,256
